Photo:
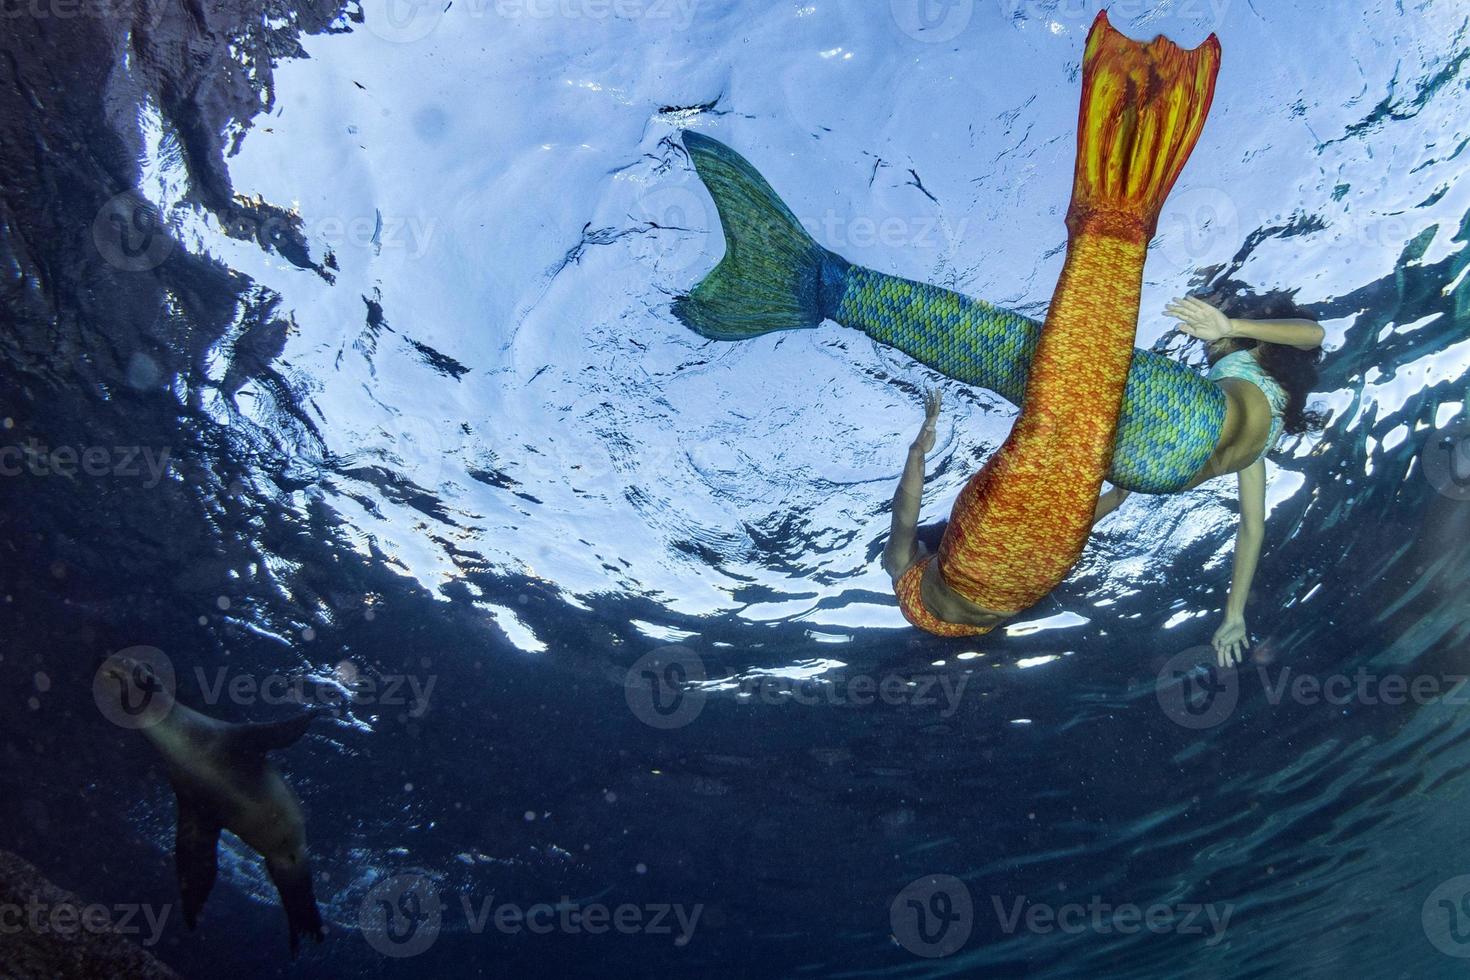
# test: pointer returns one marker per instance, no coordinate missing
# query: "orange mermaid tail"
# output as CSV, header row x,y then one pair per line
x,y
1021,522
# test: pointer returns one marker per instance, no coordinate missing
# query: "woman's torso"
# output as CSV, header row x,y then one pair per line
x,y
1255,403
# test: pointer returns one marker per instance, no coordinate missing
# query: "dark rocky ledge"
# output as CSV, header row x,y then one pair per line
x,y
74,942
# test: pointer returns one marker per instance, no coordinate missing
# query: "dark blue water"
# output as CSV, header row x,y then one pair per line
x,y
416,423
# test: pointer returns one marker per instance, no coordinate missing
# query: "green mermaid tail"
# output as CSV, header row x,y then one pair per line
x,y
775,277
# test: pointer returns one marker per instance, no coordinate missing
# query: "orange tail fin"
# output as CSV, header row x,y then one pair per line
x,y
1143,107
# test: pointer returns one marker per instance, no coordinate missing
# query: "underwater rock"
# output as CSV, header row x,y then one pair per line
x,y
82,949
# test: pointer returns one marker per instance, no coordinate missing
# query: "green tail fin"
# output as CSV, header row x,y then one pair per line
x,y
773,275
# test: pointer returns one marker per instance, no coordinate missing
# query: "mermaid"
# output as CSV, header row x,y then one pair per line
x,y
1092,407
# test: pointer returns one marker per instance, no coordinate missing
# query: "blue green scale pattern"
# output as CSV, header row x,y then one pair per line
x,y
1171,417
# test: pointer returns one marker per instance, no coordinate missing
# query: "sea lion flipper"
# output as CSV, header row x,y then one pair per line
x,y
258,738
292,879
196,850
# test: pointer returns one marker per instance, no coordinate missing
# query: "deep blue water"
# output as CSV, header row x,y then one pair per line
x,y
384,304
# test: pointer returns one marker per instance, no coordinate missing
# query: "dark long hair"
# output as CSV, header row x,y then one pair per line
x,y
1293,368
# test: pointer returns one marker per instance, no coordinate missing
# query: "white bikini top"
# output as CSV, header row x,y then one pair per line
x,y
1243,364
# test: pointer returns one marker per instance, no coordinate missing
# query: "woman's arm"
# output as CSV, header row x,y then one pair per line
x,y
899,553
1200,319
1231,639
1305,334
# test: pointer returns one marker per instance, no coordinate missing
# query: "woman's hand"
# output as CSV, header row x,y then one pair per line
x,y
1231,641
1200,319
925,440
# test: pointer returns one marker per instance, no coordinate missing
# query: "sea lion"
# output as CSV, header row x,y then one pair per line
x,y
222,780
